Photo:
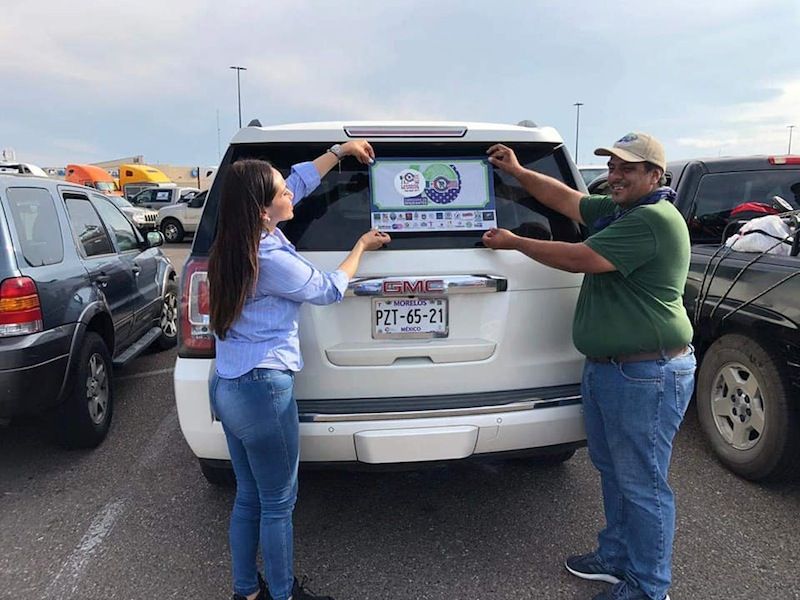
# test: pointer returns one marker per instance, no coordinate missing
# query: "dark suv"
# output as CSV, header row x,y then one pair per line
x,y
81,291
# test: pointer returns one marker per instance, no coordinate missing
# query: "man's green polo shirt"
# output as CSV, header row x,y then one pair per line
x,y
638,307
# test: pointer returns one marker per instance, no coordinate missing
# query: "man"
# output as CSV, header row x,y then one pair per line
x,y
639,372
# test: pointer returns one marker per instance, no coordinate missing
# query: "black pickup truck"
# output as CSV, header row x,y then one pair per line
x,y
745,308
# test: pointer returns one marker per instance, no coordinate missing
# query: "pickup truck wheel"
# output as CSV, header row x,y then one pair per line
x,y
84,417
745,409
219,476
169,317
172,230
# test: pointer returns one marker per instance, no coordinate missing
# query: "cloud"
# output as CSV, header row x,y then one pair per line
x,y
753,127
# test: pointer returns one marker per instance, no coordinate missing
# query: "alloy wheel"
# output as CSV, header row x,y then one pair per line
x,y
737,405
97,389
169,314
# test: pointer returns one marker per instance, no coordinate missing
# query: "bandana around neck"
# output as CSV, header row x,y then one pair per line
x,y
662,193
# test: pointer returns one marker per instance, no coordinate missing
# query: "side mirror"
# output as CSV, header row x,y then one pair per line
x,y
155,239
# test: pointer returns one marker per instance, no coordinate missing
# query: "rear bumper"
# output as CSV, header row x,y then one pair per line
x,y
531,421
32,370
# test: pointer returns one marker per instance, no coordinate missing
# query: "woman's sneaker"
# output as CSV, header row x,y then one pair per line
x,y
591,566
300,592
263,591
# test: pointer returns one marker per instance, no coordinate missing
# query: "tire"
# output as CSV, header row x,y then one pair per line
x,y
218,476
84,417
172,230
169,317
744,406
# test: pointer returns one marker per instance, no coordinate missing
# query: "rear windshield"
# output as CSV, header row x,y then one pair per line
x,y
720,193
36,221
338,211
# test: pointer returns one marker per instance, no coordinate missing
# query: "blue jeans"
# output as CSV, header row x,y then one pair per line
x,y
259,415
632,413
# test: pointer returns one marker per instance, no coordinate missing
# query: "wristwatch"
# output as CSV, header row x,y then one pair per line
x,y
337,151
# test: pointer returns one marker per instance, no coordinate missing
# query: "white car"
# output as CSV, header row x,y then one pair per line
x,y
176,220
442,349
592,172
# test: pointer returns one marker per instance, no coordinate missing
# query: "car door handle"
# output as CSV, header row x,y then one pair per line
x,y
102,280
136,270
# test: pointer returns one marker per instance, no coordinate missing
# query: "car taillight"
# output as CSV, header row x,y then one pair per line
x,y
20,311
784,160
196,340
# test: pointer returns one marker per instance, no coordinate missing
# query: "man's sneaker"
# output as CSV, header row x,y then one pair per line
x,y
624,591
300,592
590,566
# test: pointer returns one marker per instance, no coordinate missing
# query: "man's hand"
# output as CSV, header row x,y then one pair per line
x,y
500,239
504,159
361,150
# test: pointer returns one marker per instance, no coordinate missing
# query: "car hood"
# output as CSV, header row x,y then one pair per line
x,y
138,210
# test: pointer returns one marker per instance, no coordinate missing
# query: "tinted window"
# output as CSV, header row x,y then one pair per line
x,y
337,213
719,193
36,223
117,223
87,226
163,196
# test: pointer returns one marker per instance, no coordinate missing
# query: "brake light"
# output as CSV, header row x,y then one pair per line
x,y
784,160
20,310
420,131
195,338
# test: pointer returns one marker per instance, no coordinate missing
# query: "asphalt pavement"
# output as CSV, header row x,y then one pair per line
x,y
135,519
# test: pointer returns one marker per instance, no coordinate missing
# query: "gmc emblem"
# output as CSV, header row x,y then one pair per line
x,y
403,287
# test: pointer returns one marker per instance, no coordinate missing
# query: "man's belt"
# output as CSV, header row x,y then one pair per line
x,y
641,356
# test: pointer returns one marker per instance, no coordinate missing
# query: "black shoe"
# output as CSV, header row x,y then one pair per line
x,y
300,592
624,591
590,566
263,591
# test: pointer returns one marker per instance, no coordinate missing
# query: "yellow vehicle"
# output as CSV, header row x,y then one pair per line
x,y
135,178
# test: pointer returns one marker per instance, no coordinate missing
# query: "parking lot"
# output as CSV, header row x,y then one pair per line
x,y
135,519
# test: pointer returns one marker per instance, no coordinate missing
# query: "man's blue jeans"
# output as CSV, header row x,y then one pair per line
x,y
259,416
632,413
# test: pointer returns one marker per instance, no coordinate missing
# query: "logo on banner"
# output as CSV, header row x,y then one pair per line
x,y
443,183
409,183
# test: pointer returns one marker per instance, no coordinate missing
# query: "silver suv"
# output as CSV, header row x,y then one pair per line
x,y
441,349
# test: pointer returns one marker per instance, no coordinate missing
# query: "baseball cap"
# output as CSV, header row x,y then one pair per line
x,y
637,147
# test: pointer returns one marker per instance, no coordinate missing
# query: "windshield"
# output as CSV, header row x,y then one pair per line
x,y
119,201
107,186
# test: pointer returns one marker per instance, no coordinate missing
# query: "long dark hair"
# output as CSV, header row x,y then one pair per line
x,y
248,188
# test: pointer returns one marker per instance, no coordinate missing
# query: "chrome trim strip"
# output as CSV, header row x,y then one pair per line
x,y
428,285
452,412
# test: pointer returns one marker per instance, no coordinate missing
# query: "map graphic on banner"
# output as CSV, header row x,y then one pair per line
x,y
411,194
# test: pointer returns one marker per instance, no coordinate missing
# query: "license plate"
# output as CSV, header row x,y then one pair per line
x,y
409,318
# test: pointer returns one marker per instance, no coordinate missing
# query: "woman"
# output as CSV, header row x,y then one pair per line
x,y
257,283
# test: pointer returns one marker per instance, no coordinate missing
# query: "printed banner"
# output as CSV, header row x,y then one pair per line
x,y
409,194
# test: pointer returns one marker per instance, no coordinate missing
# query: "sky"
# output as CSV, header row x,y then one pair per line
x,y
93,81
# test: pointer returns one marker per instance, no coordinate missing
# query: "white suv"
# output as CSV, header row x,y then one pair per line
x,y
176,220
477,358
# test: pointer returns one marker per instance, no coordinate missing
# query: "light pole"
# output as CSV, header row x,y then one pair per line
x,y
577,106
790,127
239,91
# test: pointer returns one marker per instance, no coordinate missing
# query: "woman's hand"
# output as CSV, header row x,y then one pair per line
x,y
503,158
361,150
373,239
499,239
